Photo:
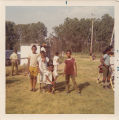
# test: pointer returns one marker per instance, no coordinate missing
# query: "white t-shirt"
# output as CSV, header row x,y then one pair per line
x,y
50,76
43,65
13,57
43,49
55,60
106,58
33,59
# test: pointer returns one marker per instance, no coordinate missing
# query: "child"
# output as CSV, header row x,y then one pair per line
x,y
51,78
56,62
33,67
106,71
70,70
14,61
112,69
100,67
42,61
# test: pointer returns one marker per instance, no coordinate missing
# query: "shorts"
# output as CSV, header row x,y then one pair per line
x,y
106,72
33,71
41,78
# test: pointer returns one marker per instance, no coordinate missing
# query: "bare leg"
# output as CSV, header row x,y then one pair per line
x,y
67,78
34,83
74,83
31,81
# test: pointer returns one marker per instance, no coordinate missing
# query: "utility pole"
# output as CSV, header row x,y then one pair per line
x,y
91,46
112,37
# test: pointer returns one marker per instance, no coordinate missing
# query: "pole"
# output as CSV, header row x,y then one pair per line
x,y
112,39
91,47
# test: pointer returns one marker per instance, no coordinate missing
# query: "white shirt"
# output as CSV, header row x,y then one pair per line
x,y
13,57
50,76
33,59
106,58
55,60
43,65
43,49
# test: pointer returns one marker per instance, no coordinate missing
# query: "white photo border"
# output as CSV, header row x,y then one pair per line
x,y
5,116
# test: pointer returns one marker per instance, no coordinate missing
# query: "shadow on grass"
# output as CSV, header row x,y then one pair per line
x,y
60,86
83,85
11,81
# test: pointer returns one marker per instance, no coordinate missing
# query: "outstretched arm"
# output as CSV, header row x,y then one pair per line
x,y
75,68
65,69
28,64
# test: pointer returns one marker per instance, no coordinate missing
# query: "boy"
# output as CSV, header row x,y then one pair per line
x,y
106,65
56,62
33,67
14,61
70,70
51,77
42,61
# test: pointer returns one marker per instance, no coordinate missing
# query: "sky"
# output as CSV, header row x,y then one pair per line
x,y
53,16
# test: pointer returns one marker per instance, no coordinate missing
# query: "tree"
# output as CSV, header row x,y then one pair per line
x,y
10,35
75,34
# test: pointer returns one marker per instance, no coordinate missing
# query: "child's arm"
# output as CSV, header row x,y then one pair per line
x,y
102,60
38,67
75,68
55,79
48,79
65,69
28,64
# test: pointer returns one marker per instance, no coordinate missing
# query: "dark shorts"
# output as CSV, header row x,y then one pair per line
x,y
106,72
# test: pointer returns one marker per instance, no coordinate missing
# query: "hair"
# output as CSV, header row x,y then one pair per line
x,y
42,52
34,46
57,53
69,51
15,50
50,64
110,47
106,50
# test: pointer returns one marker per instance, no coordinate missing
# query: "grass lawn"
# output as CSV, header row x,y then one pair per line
x,y
93,100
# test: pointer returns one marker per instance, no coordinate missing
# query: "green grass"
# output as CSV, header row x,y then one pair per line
x,y
93,100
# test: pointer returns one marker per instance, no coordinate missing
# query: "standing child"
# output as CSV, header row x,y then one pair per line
x,y
42,61
33,67
14,61
70,70
106,71
56,62
51,78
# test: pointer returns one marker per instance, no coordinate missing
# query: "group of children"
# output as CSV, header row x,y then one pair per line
x,y
45,71
107,66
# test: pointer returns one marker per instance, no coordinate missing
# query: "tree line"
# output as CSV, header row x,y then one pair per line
x,y
73,33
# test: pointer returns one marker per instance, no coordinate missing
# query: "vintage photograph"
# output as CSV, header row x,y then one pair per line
x,y
59,60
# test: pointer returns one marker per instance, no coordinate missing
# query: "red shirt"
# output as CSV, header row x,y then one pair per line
x,y
69,66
